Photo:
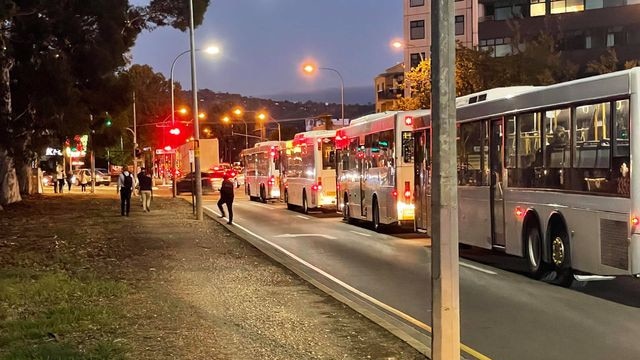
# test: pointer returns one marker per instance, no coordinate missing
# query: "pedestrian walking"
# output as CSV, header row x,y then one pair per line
x,y
69,179
83,180
226,197
59,178
146,189
125,188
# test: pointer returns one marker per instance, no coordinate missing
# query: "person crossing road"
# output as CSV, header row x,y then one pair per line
x,y
226,197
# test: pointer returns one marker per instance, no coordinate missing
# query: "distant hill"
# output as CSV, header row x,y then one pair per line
x,y
362,95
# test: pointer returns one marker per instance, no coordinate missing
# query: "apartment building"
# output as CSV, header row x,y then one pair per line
x,y
388,87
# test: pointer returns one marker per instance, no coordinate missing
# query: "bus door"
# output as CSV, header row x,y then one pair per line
x,y
422,180
496,191
362,179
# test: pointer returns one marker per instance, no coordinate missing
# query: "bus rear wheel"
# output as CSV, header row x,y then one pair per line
x,y
376,216
263,194
561,257
305,206
533,251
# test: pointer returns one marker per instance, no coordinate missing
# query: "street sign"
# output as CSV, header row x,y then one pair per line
x,y
163,151
191,156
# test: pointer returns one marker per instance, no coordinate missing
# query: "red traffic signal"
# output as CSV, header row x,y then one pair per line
x,y
174,131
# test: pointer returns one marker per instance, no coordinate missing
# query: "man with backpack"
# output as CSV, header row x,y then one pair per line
x,y
125,188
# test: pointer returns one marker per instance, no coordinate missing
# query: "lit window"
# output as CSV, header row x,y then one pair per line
x,y
537,8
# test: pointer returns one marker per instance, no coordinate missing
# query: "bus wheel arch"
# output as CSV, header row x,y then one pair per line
x,y
533,245
263,193
559,246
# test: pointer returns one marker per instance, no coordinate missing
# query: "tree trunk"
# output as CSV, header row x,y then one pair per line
x,y
9,190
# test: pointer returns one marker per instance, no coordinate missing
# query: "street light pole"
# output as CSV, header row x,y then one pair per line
x,y
196,125
135,136
341,90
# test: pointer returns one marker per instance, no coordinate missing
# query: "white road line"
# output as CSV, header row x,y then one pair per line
x,y
348,287
359,233
306,235
303,217
478,268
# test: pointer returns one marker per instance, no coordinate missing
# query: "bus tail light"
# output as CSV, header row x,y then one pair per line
x,y
394,193
519,211
273,151
635,220
272,180
408,120
320,184
314,187
407,190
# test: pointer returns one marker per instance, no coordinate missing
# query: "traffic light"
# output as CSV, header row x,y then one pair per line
x,y
138,152
107,120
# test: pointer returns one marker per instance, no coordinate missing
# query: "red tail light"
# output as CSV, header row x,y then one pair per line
x,y
273,151
635,221
320,184
407,190
272,180
394,193
314,187
519,212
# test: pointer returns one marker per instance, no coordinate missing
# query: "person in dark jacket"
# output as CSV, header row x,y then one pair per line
x,y
146,189
226,197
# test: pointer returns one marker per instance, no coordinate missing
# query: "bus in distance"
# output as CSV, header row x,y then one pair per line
x,y
544,173
311,171
262,170
375,169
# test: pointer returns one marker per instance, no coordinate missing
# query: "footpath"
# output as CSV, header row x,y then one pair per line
x,y
79,281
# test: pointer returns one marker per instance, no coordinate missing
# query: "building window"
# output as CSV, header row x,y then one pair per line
x,y
565,6
497,47
537,8
413,3
417,29
615,36
593,4
416,58
460,25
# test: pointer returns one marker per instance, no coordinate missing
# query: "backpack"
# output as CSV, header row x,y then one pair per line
x,y
128,181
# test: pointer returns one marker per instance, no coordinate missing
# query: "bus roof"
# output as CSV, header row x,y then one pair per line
x,y
372,117
315,134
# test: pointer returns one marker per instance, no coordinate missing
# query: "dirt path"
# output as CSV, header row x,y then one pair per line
x,y
192,290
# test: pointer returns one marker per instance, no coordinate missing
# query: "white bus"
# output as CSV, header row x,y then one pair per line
x,y
262,170
375,169
311,171
545,173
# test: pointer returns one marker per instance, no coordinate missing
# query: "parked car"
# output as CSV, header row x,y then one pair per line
x,y
48,179
239,175
101,177
185,184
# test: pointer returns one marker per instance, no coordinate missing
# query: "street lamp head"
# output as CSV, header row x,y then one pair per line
x,y
183,111
262,116
213,50
397,44
202,116
237,111
226,119
309,69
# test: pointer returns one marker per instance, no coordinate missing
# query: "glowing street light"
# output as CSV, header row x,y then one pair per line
x,y
310,69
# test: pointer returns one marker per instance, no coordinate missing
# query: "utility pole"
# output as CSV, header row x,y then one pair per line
x,y
92,156
445,282
135,137
196,125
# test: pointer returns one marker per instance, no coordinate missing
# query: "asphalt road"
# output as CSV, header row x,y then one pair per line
x,y
504,314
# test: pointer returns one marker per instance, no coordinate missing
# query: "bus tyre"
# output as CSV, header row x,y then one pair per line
x,y
533,251
305,205
376,216
263,194
561,257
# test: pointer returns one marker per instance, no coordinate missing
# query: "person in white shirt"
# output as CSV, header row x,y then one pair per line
x,y
126,183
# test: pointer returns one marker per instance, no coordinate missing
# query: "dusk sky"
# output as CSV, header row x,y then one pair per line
x,y
264,43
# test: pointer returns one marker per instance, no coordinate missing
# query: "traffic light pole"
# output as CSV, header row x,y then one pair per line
x,y
445,282
196,125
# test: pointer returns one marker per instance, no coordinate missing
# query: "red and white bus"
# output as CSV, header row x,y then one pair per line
x,y
311,171
263,170
375,169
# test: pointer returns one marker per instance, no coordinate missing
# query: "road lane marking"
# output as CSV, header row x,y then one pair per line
x,y
303,217
360,233
478,268
348,287
306,235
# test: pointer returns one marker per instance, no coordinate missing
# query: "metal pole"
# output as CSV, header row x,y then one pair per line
x,y
92,157
341,90
135,137
445,304
246,135
196,126
173,118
